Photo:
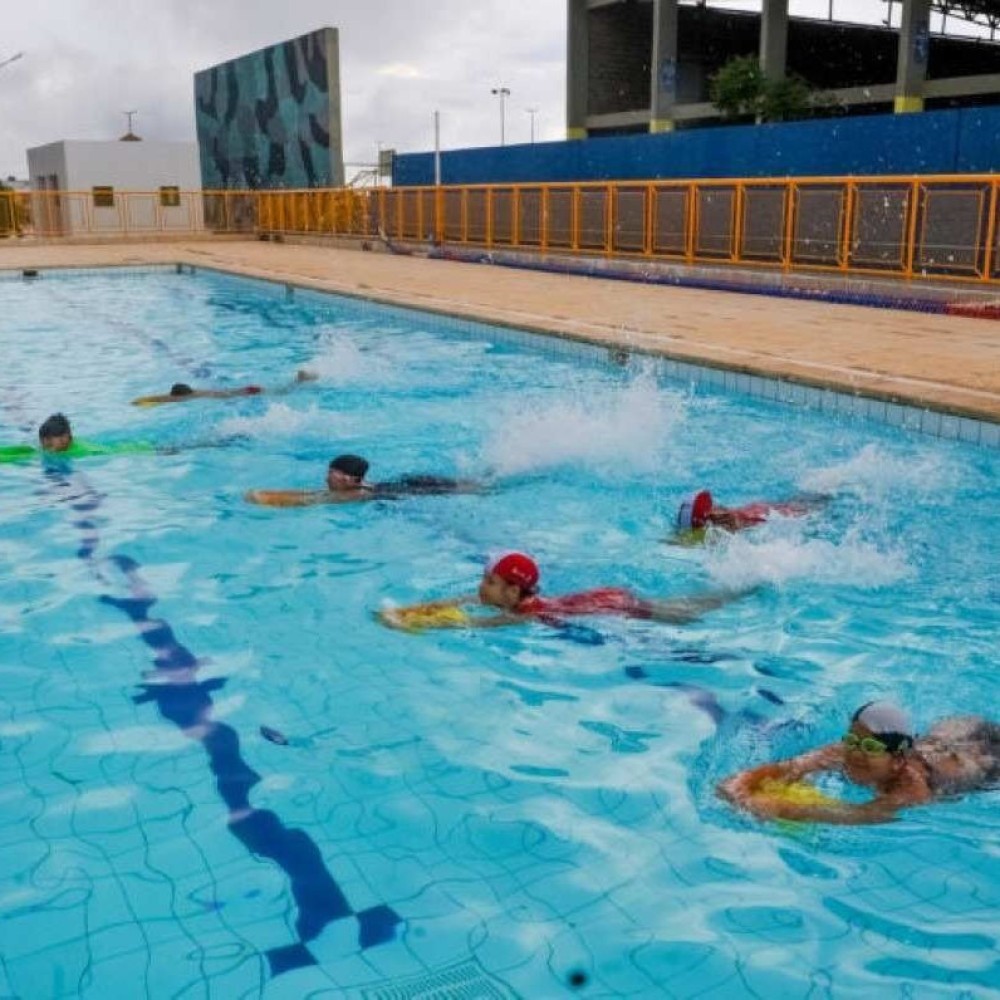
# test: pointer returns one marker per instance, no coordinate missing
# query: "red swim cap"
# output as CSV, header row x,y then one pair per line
x,y
253,390
693,512
701,507
518,569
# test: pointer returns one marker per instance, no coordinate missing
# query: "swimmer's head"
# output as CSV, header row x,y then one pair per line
x,y
181,389
55,433
886,723
509,580
693,513
346,472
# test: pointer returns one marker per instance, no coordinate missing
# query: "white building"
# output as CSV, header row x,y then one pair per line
x,y
115,187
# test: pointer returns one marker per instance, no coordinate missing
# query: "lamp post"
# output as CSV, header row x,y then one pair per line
x,y
532,112
503,93
437,149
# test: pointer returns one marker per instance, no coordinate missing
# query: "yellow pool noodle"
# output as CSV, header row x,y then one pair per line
x,y
799,793
420,617
688,537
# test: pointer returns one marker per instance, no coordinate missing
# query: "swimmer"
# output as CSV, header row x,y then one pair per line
x,y
55,437
181,392
345,483
879,751
511,585
701,511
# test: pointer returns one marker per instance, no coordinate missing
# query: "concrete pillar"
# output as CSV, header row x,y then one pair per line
x,y
577,68
914,47
774,38
663,66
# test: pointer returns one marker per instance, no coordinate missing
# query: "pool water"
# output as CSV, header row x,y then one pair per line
x,y
507,812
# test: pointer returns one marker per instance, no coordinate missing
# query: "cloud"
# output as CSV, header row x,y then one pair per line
x,y
87,61
401,71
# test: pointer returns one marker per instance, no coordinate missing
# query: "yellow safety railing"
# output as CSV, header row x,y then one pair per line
x,y
945,227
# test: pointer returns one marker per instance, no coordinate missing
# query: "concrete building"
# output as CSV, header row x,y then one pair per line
x,y
645,65
115,187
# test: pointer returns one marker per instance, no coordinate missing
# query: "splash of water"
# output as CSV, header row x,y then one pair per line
x,y
341,359
738,561
614,426
278,420
874,471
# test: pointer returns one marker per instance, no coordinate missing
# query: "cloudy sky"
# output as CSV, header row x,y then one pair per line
x,y
87,61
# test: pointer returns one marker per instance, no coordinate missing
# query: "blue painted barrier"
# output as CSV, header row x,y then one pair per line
x,y
958,141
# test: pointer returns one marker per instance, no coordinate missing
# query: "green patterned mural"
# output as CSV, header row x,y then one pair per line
x,y
271,119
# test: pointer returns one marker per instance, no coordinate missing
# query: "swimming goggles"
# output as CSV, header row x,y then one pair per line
x,y
866,744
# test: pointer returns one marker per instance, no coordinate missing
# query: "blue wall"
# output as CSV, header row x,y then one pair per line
x,y
966,140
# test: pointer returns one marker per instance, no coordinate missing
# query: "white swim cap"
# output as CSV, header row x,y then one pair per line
x,y
886,721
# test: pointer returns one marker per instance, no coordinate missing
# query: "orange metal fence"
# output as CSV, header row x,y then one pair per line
x,y
934,226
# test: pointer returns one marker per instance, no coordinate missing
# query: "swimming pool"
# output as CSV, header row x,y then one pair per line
x,y
521,812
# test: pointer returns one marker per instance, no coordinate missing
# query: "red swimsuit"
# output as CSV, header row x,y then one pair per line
x,y
757,513
600,601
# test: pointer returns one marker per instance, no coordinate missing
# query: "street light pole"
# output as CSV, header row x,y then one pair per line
x,y
503,93
437,149
532,112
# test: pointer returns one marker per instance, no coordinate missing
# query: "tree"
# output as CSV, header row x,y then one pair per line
x,y
786,99
737,87
741,90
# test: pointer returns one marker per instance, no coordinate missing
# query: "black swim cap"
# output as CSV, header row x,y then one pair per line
x,y
350,465
55,426
181,389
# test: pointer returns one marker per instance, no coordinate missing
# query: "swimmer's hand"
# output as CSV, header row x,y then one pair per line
x,y
433,614
392,618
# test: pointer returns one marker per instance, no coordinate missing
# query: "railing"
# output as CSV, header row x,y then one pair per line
x,y
934,226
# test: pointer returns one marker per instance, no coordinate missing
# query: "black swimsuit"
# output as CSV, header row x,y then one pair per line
x,y
415,486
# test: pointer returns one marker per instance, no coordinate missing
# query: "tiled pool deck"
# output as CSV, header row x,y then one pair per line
x,y
938,374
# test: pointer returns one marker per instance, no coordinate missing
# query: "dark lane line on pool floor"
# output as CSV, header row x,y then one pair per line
x,y
186,702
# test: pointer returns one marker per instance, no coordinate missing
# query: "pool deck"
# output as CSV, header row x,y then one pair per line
x,y
949,363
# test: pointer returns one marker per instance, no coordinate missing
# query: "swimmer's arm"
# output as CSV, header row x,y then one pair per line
x,y
836,814
396,617
739,789
291,498
302,375
728,520
495,621
156,400
682,610
744,790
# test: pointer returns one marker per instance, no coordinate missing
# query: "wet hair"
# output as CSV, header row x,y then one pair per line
x,y
350,465
55,426
887,723
181,389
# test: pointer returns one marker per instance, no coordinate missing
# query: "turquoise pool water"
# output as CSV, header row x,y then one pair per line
x,y
521,812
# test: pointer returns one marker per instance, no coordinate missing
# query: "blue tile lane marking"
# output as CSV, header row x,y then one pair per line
x,y
187,703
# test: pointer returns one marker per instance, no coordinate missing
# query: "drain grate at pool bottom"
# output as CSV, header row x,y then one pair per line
x,y
465,981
